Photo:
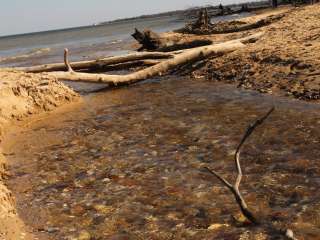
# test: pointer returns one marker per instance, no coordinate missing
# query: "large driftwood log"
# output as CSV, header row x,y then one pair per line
x,y
99,63
228,26
124,66
161,68
152,41
148,39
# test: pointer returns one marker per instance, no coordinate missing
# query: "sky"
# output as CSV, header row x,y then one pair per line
x,y
23,16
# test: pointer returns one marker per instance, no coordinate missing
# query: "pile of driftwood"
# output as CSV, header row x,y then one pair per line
x,y
203,25
161,55
161,63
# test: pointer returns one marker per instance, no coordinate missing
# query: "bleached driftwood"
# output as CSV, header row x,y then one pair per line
x,y
152,41
161,68
234,188
99,63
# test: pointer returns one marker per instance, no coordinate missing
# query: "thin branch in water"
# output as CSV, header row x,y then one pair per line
x,y
235,188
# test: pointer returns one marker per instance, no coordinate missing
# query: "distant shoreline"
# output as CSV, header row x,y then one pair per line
x,y
192,12
183,14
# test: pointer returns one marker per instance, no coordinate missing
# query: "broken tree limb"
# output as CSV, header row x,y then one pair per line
x,y
114,67
97,63
148,39
228,26
199,30
123,66
152,41
159,69
238,26
171,46
66,60
235,188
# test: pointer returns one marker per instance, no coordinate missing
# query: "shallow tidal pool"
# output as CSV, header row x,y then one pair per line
x,y
129,164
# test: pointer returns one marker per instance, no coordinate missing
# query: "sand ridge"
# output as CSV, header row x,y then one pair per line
x,y
23,95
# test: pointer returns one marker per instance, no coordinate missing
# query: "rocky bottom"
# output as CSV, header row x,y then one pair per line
x,y
129,164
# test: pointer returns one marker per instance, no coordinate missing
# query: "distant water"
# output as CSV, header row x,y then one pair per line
x,y
85,42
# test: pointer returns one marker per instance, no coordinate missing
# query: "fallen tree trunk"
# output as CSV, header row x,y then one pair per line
x,y
183,58
99,63
152,41
123,66
148,39
238,26
228,26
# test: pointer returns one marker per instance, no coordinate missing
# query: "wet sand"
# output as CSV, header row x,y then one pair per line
x,y
23,95
128,164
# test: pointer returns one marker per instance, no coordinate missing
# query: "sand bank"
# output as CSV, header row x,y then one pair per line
x,y
285,61
23,95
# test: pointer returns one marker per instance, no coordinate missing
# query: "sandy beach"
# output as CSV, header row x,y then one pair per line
x,y
93,166
284,62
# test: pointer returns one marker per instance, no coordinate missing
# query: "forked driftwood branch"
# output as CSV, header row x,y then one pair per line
x,y
288,233
114,67
102,63
152,41
235,188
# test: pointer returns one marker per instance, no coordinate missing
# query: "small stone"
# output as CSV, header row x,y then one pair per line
x,y
192,148
52,229
77,210
201,194
106,180
84,235
216,226
154,153
102,208
289,234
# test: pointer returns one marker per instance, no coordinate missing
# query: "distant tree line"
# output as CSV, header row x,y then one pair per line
x,y
275,3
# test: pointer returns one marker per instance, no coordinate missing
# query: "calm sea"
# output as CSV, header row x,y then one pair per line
x,y
83,43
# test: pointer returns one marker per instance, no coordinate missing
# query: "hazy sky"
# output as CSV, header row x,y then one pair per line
x,y
21,16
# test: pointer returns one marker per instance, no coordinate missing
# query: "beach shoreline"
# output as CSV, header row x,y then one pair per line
x,y
284,62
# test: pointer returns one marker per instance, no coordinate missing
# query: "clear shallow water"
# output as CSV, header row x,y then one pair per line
x,y
128,163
